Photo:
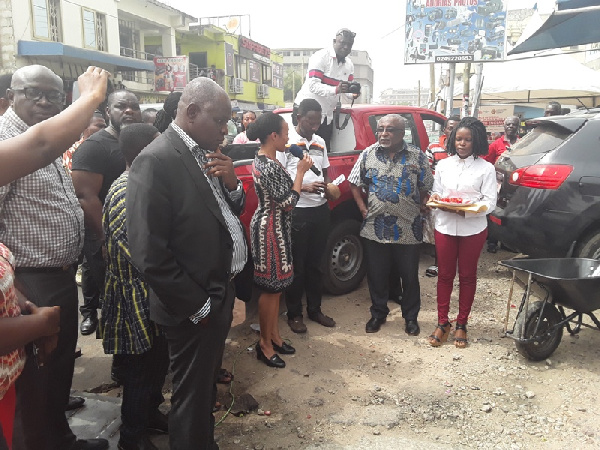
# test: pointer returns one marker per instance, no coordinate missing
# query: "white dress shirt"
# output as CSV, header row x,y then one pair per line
x,y
464,175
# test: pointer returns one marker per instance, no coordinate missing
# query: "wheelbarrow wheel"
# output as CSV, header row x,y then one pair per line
x,y
545,346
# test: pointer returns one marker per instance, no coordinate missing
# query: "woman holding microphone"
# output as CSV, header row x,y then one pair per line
x,y
271,232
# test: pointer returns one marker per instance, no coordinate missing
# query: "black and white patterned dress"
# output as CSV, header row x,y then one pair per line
x,y
270,228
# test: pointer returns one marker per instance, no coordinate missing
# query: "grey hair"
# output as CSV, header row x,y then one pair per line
x,y
397,117
30,73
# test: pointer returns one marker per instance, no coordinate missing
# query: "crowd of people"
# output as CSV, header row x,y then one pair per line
x,y
149,205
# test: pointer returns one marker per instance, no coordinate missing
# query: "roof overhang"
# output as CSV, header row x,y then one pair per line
x,y
37,48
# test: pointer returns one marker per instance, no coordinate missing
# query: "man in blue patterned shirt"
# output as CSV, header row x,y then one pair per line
x,y
396,177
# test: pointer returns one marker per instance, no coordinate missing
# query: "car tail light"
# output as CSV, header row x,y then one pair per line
x,y
542,176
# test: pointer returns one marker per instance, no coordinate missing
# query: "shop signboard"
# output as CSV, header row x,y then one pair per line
x,y
492,116
455,31
170,73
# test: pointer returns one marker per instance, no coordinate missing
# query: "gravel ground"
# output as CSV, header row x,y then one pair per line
x,y
345,389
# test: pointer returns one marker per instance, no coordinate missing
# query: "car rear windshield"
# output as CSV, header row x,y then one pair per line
x,y
542,139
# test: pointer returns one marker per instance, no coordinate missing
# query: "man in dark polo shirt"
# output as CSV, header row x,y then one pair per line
x,y
96,164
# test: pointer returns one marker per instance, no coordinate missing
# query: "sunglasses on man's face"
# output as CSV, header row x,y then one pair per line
x,y
55,97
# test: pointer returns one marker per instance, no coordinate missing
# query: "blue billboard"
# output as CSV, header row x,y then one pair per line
x,y
455,31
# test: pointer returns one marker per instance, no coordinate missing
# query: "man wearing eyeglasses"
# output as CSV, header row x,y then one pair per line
x,y
42,223
396,177
329,72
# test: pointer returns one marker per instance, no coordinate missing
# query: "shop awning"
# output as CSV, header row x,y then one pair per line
x,y
565,28
36,48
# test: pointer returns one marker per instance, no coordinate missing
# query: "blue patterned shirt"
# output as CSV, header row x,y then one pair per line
x,y
393,193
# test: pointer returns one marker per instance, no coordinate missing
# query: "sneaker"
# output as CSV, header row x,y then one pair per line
x,y
297,325
321,318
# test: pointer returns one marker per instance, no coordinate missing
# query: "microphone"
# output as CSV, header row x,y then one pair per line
x,y
299,153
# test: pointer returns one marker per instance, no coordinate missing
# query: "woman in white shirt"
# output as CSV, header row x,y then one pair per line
x,y
460,235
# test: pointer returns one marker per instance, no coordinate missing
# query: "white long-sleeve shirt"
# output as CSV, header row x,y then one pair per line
x,y
324,74
464,175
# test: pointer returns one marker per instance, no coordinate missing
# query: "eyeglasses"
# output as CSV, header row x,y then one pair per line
x,y
388,130
55,97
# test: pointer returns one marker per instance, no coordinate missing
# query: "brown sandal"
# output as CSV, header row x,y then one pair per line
x,y
460,341
437,338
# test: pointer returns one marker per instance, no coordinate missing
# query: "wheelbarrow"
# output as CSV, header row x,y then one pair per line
x,y
571,283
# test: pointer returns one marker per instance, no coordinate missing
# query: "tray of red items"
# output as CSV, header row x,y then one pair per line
x,y
454,201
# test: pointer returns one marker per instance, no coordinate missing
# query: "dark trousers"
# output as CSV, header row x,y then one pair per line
x,y
196,352
143,377
463,251
93,270
43,393
310,227
381,261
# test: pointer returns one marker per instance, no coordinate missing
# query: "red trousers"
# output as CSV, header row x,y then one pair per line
x,y
461,251
7,416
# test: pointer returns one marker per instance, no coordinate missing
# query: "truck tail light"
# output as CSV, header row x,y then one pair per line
x,y
247,182
541,176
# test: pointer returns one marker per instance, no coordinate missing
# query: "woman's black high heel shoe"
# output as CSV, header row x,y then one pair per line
x,y
285,349
273,361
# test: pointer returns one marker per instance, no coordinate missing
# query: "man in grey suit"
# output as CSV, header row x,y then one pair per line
x,y
183,203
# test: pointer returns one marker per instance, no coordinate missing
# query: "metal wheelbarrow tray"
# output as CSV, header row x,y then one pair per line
x,y
572,283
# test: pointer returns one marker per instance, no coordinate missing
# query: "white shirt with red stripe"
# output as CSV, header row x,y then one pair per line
x,y
324,74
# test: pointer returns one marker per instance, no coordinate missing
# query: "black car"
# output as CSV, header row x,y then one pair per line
x,y
549,189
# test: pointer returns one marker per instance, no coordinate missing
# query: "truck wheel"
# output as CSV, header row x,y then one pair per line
x,y
344,258
545,346
589,247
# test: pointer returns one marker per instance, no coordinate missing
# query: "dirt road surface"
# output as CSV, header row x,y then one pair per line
x,y
345,389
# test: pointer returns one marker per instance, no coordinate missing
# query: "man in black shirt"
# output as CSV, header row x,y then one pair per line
x,y
96,164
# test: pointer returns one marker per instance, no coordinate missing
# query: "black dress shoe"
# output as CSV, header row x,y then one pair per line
x,y
90,444
373,325
285,349
273,361
89,325
143,444
158,422
74,403
412,328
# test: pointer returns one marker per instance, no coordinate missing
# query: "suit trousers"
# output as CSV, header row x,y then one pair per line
x,y
143,377
43,392
382,261
93,271
310,228
196,352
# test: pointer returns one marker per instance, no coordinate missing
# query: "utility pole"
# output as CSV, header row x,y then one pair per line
x,y
432,84
466,84
450,94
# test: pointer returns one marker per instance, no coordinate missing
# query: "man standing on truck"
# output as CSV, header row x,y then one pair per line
x,y
310,219
397,177
329,74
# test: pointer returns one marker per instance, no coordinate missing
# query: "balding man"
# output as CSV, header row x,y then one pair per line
x,y
504,143
553,108
96,164
42,223
185,237
397,178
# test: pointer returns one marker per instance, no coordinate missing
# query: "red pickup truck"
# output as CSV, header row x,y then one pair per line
x,y
344,265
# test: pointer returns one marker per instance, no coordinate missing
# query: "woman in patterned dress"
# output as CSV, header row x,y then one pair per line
x,y
271,231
